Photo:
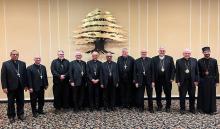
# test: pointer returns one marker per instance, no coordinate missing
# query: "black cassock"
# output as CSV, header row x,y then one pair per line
x,y
209,76
77,72
125,69
109,79
37,80
93,72
60,87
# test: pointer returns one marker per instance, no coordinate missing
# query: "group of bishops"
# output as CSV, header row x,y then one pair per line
x,y
94,84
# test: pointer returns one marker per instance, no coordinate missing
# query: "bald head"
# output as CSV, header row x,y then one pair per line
x,y
37,60
109,56
161,51
143,53
186,53
78,55
95,55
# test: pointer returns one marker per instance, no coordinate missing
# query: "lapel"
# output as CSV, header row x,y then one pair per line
x,y
13,67
191,64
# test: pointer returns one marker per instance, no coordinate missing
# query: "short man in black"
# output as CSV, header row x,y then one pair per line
x,y
187,77
109,82
37,82
77,73
143,76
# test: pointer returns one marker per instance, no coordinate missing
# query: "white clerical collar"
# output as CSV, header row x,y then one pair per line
x,y
161,57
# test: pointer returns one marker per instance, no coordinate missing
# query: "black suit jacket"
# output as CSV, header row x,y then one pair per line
x,y
129,69
105,73
90,69
9,77
168,66
75,72
34,79
138,70
180,70
57,70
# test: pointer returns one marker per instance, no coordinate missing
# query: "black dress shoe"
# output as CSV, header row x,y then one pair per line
x,y
193,111
21,117
213,113
151,111
159,109
167,109
11,120
141,109
182,112
41,112
35,115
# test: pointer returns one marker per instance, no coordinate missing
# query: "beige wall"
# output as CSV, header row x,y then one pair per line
x,y
44,26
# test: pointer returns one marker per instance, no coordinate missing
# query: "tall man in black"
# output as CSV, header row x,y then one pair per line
x,y
209,79
187,77
77,73
37,82
143,76
109,82
93,73
164,72
125,68
60,72
14,81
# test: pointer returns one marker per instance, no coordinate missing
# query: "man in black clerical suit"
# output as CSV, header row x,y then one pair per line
x,y
143,76
77,73
164,72
209,79
187,77
37,82
125,68
14,81
109,82
60,72
93,73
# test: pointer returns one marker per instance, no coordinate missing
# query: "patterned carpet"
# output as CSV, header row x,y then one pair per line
x,y
121,118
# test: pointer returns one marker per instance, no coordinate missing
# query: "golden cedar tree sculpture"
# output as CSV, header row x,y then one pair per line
x,y
99,27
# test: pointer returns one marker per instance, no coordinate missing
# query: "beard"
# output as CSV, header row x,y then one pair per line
x,y
207,55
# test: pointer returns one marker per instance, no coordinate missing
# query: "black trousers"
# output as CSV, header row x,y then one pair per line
x,y
78,96
160,85
109,95
17,96
94,93
37,97
125,93
187,86
61,94
140,95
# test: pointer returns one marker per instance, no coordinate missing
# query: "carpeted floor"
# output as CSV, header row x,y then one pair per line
x,y
121,118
